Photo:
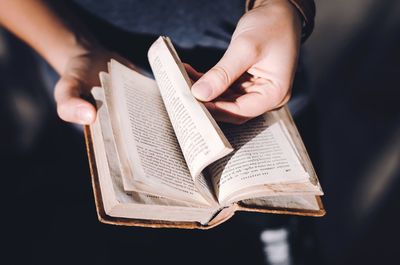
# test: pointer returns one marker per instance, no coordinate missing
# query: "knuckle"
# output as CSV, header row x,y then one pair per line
x,y
275,102
279,96
283,95
275,96
222,74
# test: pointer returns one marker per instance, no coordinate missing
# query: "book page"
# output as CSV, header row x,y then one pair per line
x,y
116,202
148,142
263,156
295,138
198,135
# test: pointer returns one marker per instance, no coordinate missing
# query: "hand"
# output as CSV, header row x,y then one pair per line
x,y
255,74
80,75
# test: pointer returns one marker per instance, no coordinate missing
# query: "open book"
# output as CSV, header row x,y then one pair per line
x,y
159,159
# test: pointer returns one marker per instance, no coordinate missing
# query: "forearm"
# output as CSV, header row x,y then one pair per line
x,y
36,23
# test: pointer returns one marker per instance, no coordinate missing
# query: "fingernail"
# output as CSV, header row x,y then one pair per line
x,y
201,90
84,115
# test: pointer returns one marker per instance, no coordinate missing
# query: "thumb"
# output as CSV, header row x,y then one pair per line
x,y
70,106
236,60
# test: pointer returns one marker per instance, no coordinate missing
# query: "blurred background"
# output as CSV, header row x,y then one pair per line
x,y
353,65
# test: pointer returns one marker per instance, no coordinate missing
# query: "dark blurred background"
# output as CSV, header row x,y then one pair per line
x,y
353,64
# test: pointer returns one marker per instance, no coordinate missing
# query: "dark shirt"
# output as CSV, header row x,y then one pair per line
x,y
188,23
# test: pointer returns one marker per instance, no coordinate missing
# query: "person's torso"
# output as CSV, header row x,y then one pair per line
x,y
188,23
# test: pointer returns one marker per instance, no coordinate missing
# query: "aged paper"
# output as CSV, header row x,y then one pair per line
x,y
198,135
147,136
263,155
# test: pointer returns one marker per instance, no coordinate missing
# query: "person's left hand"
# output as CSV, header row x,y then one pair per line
x,y
255,74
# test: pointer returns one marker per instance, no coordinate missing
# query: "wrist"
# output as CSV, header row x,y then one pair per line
x,y
69,45
274,16
303,11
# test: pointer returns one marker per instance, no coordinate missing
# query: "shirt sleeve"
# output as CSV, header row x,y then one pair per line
x,y
307,10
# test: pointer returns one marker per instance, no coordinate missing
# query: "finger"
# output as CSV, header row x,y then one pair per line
x,y
222,115
70,106
193,73
237,60
258,99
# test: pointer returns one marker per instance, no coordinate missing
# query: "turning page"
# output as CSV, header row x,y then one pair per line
x,y
198,134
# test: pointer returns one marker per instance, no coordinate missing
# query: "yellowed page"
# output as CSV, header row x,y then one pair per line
x,y
263,156
146,138
115,200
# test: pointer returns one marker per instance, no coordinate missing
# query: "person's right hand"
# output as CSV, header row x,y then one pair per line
x,y
80,74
